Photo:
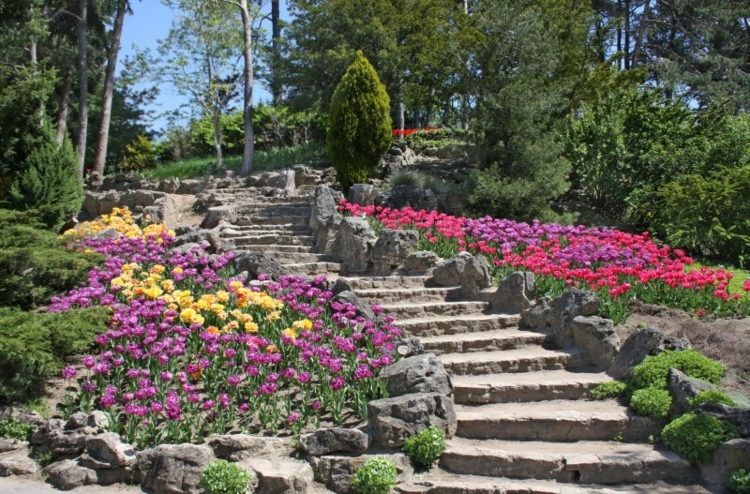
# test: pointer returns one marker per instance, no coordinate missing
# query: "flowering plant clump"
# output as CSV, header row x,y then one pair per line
x,y
192,350
409,132
617,266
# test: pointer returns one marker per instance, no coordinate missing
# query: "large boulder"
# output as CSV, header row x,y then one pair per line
x,y
255,263
218,214
334,440
336,472
729,457
738,417
639,345
418,374
21,414
515,293
413,196
556,315
354,243
235,447
174,468
469,272
394,420
683,387
17,464
349,297
420,262
281,475
324,206
107,451
392,248
598,338
68,474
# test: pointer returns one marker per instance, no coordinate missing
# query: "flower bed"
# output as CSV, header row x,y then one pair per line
x,y
617,266
192,350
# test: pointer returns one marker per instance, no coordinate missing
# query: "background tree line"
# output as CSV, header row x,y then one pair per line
x,y
628,109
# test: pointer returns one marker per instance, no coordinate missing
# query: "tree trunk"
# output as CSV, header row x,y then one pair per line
x,y
247,52
400,121
62,111
109,86
217,137
276,44
627,35
641,32
83,85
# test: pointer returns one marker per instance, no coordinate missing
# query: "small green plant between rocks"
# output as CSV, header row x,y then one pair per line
x,y
425,447
711,396
223,477
611,389
651,402
654,370
695,437
739,481
15,429
377,476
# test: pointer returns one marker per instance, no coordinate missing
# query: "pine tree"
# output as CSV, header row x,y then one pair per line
x,y
360,123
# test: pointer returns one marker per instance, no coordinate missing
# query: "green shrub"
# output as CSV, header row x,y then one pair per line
x,y
34,346
377,476
654,370
695,437
651,402
739,481
14,429
711,396
35,264
426,447
360,123
139,154
222,477
49,183
408,178
611,389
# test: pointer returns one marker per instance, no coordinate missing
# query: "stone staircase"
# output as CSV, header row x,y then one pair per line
x,y
523,423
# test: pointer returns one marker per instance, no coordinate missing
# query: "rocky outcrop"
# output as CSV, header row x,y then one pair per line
x,y
393,420
337,471
639,345
174,468
412,196
417,374
556,315
514,294
683,387
598,338
281,475
392,248
255,263
420,262
235,447
354,243
738,417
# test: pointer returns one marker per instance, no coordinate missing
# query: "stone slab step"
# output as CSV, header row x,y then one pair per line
x,y
554,420
269,230
414,294
285,256
385,282
428,309
436,481
313,268
289,227
525,386
434,326
527,359
499,339
306,240
587,462
272,220
274,248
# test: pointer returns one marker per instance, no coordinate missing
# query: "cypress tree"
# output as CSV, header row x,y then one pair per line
x,y
360,123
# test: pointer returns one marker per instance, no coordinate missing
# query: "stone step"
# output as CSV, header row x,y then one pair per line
x,y
283,256
555,421
527,359
437,481
385,282
313,268
289,227
279,202
587,462
273,220
268,230
274,210
498,339
524,386
415,294
274,248
434,326
442,309
306,240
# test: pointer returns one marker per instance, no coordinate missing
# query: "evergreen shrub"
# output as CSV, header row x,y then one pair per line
x,y
360,123
711,396
695,437
651,402
654,370
139,154
425,447
611,389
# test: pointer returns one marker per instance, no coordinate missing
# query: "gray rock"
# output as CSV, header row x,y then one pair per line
x,y
739,417
236,446
256,263
77,421
341,285
215,215
354,243
392,248
286,184
476,276
106,234
324,206
185,248
362,308
683,387
336,472
597,336
174,468
22,415
514,294
413,196
639,345
675,344
409,346
281,475
68,474
199,236
729,457
19,464
393,420
556,315
98,420
108,451
334,440
450,271
304,175
362,194
11,445
418,374
39,437
420,262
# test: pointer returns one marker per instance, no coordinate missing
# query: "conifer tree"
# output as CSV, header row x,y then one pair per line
x,y
360,123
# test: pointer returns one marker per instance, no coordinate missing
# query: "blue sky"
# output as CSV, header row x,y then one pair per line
x,y
150,22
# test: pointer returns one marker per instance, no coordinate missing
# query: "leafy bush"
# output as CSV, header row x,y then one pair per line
x,y
139,154
34,346
611,389
695,437
739,481
222,477
377,476
426,447
651,402
711,396
360,123
34,263
14,429
654,370
49,183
